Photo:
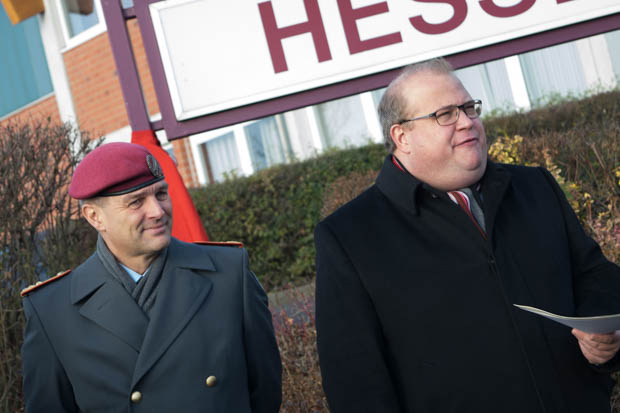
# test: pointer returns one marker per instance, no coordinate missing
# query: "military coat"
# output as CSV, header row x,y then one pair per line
x,y
208,347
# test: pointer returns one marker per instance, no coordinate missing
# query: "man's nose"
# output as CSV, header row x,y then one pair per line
x,y
154,208
463,121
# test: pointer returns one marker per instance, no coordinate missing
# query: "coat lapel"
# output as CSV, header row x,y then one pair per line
x,y
108,304
181,293
495,185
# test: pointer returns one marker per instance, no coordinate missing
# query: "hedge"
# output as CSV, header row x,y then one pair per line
x,y
38,233
274,211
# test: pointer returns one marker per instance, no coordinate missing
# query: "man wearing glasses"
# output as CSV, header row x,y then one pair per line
x,y
417,277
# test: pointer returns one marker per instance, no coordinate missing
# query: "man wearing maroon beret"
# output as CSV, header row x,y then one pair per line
x,y
148,323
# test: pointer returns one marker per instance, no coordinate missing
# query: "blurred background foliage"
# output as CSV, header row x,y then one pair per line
x,y
274,212
39,233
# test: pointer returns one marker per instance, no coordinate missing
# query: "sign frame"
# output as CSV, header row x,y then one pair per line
x,y
130,83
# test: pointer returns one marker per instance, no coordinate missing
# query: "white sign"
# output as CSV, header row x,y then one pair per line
x,y
219,55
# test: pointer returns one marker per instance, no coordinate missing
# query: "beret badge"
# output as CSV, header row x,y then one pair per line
x,y
154,166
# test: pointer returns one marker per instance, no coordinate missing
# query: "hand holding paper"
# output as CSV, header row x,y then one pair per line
x,y
598,337
598,348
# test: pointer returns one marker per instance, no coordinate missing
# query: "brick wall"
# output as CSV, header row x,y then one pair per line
x,y
96,90
40,109
185,162
98,98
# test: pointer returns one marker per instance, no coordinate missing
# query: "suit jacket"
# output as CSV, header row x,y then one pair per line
x,y
88,346
414,308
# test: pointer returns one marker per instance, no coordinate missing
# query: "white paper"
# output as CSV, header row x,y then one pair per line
x,y
596,324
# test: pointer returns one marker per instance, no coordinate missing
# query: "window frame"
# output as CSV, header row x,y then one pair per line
x,y
84,36
240,142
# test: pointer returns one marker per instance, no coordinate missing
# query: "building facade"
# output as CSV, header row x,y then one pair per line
x,y
59,64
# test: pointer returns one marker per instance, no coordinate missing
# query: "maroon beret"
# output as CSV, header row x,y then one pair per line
x,y
114,169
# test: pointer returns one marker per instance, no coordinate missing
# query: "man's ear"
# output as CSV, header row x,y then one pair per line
x,y
93,214
399,137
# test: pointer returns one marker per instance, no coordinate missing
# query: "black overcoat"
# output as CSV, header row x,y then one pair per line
x,y
88,346
415,308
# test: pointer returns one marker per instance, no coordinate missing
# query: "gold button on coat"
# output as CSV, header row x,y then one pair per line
x,y
136,397
211,381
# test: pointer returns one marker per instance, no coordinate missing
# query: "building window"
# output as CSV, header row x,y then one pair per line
x,y
80,15
221,158
343,123
81,20
377,94
24,75
552,71
488,82
268,143
613,45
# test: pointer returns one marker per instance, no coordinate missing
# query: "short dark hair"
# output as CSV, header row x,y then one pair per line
x,y
392,105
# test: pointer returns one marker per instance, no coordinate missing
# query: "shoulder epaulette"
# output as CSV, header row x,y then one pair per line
x,y
38,284
221,243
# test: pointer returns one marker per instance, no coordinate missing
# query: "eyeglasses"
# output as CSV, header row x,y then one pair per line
x,y
450,114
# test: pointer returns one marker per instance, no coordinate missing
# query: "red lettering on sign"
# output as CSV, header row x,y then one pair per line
x,y
460,12
498,11
349,16
563,1
275,34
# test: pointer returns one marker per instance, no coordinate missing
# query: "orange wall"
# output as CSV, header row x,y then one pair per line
x,y
41,109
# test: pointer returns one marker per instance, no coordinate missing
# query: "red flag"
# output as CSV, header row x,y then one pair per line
x,y
186,224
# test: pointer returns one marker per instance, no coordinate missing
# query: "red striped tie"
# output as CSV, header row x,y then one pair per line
x,y
463,202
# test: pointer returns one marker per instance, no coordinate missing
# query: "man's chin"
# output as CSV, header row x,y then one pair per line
x,y
471,173
477,165
166,240
160,241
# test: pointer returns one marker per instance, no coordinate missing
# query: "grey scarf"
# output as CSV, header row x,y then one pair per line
x,y
144,292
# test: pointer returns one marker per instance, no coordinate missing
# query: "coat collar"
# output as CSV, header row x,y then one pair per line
x,y
104,301
495,184
192,256
91,274
399,186
183,289
404,189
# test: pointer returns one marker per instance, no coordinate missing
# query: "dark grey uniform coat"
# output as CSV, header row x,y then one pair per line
x,y
415,308
88,346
